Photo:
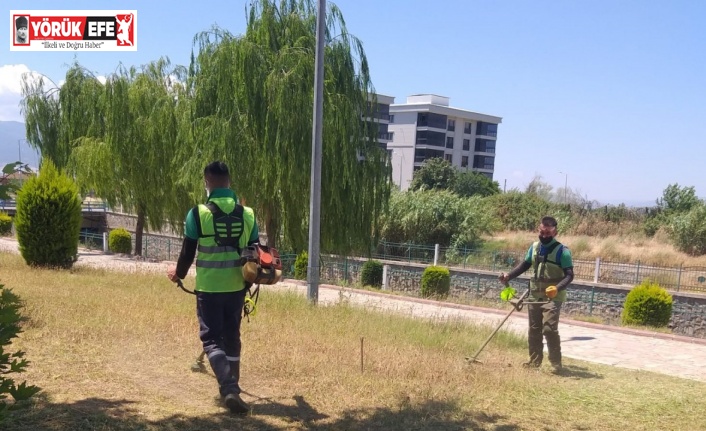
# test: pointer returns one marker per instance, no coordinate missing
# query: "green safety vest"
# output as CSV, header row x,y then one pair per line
x,y
218,268
547,272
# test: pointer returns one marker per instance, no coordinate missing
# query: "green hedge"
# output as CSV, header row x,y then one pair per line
x,y
371,274
436,282
5,224
120,241
647,304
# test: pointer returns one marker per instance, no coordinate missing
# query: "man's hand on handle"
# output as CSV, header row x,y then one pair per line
x,y
171,274
504,278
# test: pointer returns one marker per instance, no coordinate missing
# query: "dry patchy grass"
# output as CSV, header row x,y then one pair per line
x,y
628,248
112,352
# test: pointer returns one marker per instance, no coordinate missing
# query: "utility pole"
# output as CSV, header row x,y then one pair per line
x,y
312,291
566,186
19,150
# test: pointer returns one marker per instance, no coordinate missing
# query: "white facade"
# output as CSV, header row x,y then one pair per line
x,y
426,126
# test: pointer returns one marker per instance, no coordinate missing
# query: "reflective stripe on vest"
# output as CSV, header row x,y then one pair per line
x,y
218,267
546,272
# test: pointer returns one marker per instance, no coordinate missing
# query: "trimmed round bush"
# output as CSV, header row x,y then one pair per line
x,y
371,274
120,241
5,224
647,304
48,219
300,265
436,282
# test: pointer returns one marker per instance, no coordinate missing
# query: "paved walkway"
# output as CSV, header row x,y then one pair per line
x,y
663,353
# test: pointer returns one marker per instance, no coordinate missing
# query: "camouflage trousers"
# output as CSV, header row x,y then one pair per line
x,y
544,323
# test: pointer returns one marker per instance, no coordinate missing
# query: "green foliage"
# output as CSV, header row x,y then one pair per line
x,y
436,173
5,224
8,186
48,219
437,217
471,183
689,230
257,90
647,304
120,241
521,211
300,265
436,282
676,199
10,320
371,273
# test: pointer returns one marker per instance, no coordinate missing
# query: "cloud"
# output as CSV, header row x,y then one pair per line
x,y
11,90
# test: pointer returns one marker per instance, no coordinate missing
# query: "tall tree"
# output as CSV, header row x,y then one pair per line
x,y
475,184
131,164
436,173
253,98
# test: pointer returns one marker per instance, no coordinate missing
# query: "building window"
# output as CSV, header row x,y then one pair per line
x,y
483,162
448,158
487,129
464,161
392,118
429,137
449,142
429,119
467,128
485,146
451,126
466,145
423,154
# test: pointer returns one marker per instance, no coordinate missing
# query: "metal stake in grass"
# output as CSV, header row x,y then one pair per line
x,y
361,354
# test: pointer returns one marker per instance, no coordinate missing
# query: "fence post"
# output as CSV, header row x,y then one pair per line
x,y
436,253
169,249
597,272
385,285
679,277
409,252
495,255
478,286
345,268
590,307
637,273
105,242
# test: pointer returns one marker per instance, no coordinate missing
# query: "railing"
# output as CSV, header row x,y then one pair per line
x,y
692,278
85,206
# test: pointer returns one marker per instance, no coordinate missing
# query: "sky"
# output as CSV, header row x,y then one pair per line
x,y
606,96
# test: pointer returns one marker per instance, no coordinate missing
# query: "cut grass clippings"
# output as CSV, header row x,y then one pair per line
x,y
112,351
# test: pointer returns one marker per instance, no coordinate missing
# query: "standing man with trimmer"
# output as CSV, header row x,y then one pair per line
x,y
220,230
553,270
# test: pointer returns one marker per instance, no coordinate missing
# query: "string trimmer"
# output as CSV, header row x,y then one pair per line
x,y
508,294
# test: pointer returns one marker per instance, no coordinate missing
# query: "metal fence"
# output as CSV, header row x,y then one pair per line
x,y
692,278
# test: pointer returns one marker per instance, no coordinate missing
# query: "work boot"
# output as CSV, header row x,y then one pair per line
x,y
236,405
556,366
532,364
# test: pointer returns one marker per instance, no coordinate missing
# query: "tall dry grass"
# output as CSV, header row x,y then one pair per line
x,y
632,248
112,352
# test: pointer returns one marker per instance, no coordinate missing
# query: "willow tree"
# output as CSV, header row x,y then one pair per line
x,y
252,106
56,118
131,164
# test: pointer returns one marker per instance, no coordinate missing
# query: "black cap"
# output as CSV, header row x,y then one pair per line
x,y
21,22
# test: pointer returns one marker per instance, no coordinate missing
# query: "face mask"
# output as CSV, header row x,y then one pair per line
x,y
545,239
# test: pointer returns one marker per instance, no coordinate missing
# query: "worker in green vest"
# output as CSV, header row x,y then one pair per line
x,y
219,229
553,271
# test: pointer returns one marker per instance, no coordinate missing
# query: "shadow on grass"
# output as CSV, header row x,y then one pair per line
x,y
125,415
576,372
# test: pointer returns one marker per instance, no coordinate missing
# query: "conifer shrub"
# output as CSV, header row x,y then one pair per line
x,y
371,274
436,282
647,304
5,224
120,241
300,265
48,219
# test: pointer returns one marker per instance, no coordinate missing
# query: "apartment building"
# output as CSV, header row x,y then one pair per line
x,y
382,118
426,127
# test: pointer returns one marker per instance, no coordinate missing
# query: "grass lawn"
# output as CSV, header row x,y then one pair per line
x,y
113,351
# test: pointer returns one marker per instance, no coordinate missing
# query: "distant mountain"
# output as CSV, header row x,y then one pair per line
x,y
13,145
